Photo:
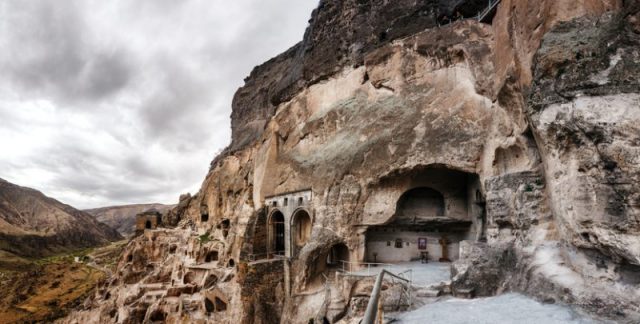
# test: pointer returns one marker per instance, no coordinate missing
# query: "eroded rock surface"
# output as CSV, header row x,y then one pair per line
x,y
519,139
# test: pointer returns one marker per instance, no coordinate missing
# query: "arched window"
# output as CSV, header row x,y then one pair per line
x,y
277,233
421,202
338,254
301,228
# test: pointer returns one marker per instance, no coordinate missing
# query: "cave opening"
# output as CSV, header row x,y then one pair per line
x,y
277,237
147,224
225,225
301,229
221,306
208,305
211,256
436,209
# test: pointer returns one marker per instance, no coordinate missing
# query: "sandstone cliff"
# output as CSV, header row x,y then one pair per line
x,y
526,124
34,225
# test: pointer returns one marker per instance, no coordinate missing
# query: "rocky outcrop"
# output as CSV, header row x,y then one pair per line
x,y
525,127
340,34
34,225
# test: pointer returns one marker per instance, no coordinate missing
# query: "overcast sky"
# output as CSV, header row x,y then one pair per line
x,y
120,101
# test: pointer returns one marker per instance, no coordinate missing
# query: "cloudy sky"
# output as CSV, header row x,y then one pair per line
x,y
120,101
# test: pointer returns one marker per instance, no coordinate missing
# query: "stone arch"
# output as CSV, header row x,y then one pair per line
x,y
217,300
337,254
277,232
420,202
189,278
301,225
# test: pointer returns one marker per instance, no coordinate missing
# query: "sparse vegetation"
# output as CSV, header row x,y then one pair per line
x,y
204,238
43,290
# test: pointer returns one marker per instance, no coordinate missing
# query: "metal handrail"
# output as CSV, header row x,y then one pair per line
x,y
348,266
486,11
372,307
480,16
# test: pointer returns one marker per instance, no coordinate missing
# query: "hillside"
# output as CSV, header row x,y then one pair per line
x,y
123,218
34,225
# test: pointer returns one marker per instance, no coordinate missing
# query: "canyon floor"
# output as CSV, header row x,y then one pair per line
x,y
42,290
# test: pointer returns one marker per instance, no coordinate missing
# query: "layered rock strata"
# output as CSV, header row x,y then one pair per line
x,y
523,130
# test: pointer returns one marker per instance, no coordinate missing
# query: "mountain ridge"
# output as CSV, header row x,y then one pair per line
x,y
35,225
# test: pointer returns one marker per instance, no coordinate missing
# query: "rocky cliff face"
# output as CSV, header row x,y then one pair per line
x,y
527,126
34,225
123,218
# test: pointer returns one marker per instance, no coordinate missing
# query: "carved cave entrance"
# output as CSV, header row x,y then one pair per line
x,y
301,230
437,210
147,224
277,236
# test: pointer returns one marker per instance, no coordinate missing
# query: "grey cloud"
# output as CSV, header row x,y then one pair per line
x,y
50,54
151,117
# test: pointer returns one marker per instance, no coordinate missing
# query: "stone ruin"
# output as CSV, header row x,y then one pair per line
x,y
148,220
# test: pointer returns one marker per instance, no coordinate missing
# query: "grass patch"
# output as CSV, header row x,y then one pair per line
x,y
204,238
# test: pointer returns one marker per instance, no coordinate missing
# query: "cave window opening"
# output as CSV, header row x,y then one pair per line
x,y
231,263
338,254
221,306
189,278
225,225
211,256
208,305
204,217
147,224
158,316
130,258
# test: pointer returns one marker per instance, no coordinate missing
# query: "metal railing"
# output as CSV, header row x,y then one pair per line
x,y
483,14
479,17
356,267
265,256
375,305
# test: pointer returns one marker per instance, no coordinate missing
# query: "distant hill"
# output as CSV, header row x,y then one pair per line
x,y
123,218
34,225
